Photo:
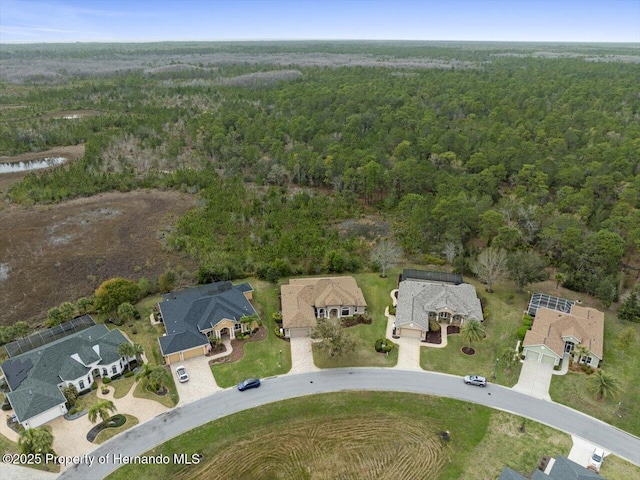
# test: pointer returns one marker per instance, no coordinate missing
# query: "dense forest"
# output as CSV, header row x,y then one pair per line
x,y
449,148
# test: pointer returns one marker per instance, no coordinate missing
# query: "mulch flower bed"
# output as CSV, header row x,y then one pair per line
x,y
452,329
238,347
434,337
114,422
468,351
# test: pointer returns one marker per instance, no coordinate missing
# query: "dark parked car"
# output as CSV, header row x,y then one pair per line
x,y
475,380
249,383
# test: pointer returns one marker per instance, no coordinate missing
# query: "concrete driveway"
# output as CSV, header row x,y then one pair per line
x,y
409,348
201,382
581,451
302,355
535,379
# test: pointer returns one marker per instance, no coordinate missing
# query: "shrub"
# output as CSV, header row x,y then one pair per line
x,y
383,345
105,390
117,375
522,331
277,316
128,374
278,333
94,386
392,310
527,320
433,259
588,369
6,406
106,380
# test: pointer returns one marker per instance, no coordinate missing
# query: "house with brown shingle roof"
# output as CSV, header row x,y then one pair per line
x,y
555,334
305,300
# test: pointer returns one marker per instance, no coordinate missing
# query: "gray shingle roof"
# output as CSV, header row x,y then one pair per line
x,y
34,376
565,469
508,474
189,312
417,298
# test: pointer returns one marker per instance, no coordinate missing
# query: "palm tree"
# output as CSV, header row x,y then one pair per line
x,y
35,440
144,373
472,331
127,349
559,279
158,378
603,385
508,356
581,352
102,409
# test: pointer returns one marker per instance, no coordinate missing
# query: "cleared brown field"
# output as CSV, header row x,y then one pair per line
x,y
54,253
360,447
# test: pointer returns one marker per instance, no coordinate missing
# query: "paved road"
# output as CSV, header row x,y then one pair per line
x,y
174,422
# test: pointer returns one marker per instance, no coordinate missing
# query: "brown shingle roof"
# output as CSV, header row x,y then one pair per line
x,y
583,323
302,295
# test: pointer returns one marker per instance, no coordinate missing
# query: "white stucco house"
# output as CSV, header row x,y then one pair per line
x,y
36,378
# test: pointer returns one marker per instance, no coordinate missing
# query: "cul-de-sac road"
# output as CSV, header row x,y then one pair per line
x,y
179,420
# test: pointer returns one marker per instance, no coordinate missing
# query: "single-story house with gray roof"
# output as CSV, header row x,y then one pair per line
x,y
36,378
422,301
560,468
194,316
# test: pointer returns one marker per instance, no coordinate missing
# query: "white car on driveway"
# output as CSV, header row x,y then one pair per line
x,y
182,374
596,458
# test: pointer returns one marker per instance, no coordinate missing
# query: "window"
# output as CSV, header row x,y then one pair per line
x,y
345,311
104,372
114,369
444,315
237,327
587,360
81,384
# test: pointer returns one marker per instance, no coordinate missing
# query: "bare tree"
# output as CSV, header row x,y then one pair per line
x,y
450,251
490,266
386,254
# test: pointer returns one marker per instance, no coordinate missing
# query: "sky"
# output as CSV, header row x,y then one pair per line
x,y
28,21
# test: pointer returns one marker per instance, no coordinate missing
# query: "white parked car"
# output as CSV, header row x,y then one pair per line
x,y
596,458
182,374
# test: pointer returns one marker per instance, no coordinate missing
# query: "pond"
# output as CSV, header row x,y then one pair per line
x,y
31,164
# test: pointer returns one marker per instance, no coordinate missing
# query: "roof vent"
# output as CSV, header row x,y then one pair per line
x,y
30,392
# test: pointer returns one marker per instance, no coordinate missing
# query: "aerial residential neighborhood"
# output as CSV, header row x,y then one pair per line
x,y
353,239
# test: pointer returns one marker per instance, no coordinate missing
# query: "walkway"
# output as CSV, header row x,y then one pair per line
x,y
302,355
182,419
70,436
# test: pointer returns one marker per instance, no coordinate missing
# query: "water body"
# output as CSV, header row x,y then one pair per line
x,y
31,165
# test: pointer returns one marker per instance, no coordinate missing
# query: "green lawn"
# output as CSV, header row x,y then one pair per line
x,y
376,291
624,410
477,448
122,386
261,359
615,468
504,318
108,433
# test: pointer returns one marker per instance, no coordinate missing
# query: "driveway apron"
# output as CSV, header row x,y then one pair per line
x,y
534,379
201,381
302,355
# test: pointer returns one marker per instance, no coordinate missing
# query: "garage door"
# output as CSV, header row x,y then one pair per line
x,y
411,333
548,360
298,332
532,355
